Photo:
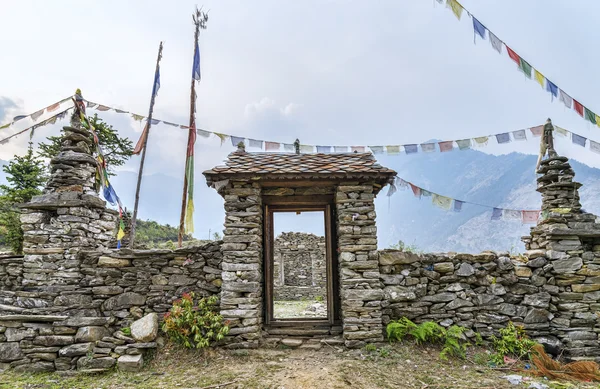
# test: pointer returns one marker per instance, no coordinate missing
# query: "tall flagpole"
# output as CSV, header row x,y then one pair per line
x,y
145,134
200,18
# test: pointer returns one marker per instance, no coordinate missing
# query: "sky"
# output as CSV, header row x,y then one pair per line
x,y
325,71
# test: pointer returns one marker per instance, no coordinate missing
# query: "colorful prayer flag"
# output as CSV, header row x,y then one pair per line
x,y
223,137
137,118
519,135
578,107
203,133
140,143
512,214
411,149
530,217
539,77
514,56
376,149
503,138
340,149
393,150
5,126
55,106
156,85
323,149
455,7
458,204
590,116
256,143
427,147
416,190
426,193
566,99
442,202
446,146
102,108
154,122
525,67
478,28
357,149
561,131
578,139
120,111
306,148
288,147
17,118
595,146
235,140
537,130
36,115
497,212
481,141
552,88
464,144
495,42
171,124
196,65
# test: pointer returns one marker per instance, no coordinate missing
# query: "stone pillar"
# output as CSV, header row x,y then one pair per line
x,y
569,239
361,290
241,292
68,218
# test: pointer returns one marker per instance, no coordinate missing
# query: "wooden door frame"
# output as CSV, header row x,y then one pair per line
x,y
300,204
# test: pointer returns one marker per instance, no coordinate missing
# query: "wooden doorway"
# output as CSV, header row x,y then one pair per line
x,y
301,281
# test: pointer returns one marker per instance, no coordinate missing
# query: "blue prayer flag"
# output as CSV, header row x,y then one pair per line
x,y
17,118
552,88
458,205
411,149
154,121
376,149
496,213
110,195
478,28
196,66
323,149
503,138
578,140
156,85
235,140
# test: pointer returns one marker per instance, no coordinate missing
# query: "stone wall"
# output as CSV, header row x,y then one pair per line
x,y
299,270
11,271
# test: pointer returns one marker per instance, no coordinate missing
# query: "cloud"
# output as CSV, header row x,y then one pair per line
x,y
6,105
267,107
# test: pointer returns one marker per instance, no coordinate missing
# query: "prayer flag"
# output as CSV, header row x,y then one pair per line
x,y
455,7
357,149
537,130
5,126
17,118
121,232
137,118
525,68
597,120
478,28
481,141
411,149
595,146
401,183
512,214
340,149
497,212
154,122
503,138
120,111
156,85
578,139
495,42
552,88
140,143
376,149
566,99
520,135
393,150
272,146
235,140
89,105
306,148
458,204
196,65
589,115
530,217
223,137
102,108
561,131
37,114
578,107
55,106
184,127
539,77
446,146
323,149
427,147
171,124
464,144
426,193
256,143
415,189
51,120
288,147
442,202
203,133
514,56
392,189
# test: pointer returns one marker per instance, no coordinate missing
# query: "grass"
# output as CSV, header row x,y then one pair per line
x,y
390,366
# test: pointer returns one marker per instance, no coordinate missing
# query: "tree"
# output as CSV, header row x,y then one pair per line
x,y
116,149
26,176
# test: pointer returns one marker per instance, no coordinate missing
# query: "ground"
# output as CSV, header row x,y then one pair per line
x,y
299,308
396,366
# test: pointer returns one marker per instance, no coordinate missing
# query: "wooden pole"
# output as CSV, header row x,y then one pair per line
x,y
149,124
200,19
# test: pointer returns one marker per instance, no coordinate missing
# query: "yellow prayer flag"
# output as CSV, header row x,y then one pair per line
x,y
481,141
393,150
120,234
561,131
597,120
441,201
456,8
189,217
539,77
223,137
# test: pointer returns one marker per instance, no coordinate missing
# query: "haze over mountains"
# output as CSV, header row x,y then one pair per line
x,y
505,181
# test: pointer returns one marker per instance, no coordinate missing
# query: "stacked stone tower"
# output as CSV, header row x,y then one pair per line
x,y
66,219
569,239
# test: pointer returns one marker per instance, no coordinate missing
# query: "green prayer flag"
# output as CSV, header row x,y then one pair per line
x,y
589,115
5,126
525,67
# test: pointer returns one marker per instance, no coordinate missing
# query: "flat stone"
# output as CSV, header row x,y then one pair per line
x,y
443,267
538,300
523,271
107,290
291,342
393,257
536,315
398,293
91,334
145,329
76,349
582,288
85,363
54,340
465,270
10,352
36,367
567,265
125,300
132,363
440,297
113,262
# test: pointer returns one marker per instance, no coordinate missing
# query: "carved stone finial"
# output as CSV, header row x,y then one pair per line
x,y
297,146
241,147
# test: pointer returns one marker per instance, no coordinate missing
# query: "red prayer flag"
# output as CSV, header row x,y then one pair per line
x,y
578,107
358,149
271,146
514,56
140,143
52,107
530,217
537,130
446,146
416,190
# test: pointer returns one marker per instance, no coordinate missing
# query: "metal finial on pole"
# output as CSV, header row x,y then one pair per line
x,y
297,146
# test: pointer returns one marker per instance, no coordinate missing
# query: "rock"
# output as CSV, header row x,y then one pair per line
x,y
440,297
458,303
536,315
443,267
291,342
552,345
125,300
538,300
568,265
85,363
522,271
110,290
504,263
145,329
583,288
497,289
446,323
54,340
91,334
113,262
398,293
393,257
17,334
465,270
36,367
132,363
76,349
537,262
10,352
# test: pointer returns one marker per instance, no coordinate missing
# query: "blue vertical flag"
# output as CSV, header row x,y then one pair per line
x,y
458,205
196,66
552,88
578,140
478,28
156,86
496,213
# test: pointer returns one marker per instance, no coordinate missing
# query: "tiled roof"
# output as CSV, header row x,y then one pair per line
x,y
243,163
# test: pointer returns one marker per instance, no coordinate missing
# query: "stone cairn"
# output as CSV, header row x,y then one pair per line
x,y
66,219
570,240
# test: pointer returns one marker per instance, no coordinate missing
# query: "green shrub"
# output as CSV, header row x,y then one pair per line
x,y
454,343
126,331
513,342
194,325
397,330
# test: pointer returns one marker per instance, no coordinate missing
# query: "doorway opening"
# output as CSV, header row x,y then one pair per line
x,y
298,265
